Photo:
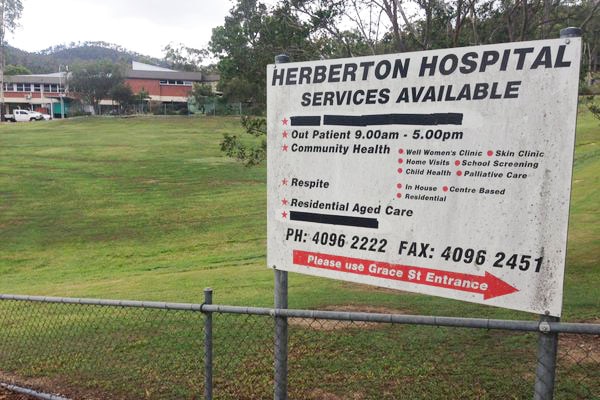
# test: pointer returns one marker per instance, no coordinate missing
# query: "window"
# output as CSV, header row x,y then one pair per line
x,y
174,82
22,87
50,88
37,87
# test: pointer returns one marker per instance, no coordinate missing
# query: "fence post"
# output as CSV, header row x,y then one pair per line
x,y
281,323
208,347
546,360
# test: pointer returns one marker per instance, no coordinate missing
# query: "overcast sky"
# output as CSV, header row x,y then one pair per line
x,y
144,26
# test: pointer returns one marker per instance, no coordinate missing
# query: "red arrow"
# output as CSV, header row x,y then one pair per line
x,y
497,287
488,285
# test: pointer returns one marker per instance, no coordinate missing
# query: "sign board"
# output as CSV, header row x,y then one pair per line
x,y
443,172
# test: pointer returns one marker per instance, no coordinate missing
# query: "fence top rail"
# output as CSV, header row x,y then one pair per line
x,y
457,322
104,302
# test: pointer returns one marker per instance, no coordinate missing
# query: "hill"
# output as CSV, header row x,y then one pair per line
x,y
49,60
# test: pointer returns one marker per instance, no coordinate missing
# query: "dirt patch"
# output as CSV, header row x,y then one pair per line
x,y
30,383
371,289
366,308
8,395
318,394
579,349
335,325
41,384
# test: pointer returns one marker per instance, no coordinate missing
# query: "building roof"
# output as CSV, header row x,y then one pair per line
x,y
175,75
212,78
144,71
57,77
138,66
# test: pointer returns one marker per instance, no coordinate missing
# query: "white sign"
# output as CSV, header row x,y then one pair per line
x,y
444,172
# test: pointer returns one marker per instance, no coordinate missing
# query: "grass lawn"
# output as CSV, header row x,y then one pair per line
x,y
148,208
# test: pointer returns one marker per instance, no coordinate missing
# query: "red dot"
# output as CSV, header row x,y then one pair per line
x,y
459,173
399,186
399,195
399,170
490,153
457,163
400,161
445,188
400,151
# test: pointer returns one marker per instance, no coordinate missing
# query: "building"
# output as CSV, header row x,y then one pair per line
x,y
50,93
38,92
165,85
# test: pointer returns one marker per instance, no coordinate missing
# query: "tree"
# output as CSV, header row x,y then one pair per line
x,y
250,152
594,109
183,58
201,93
591,39
122,94
94,81
141,97
311,29
325,19
249,39
10,12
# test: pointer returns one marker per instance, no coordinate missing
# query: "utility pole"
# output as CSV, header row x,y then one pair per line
x,y
2,60
61,92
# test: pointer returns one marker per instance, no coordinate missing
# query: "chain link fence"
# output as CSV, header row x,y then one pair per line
x,y
102,349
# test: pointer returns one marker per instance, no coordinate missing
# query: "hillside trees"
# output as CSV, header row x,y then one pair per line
x,y
16,70
10,12
48,60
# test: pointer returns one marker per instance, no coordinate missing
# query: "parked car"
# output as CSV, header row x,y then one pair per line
x,y
23,115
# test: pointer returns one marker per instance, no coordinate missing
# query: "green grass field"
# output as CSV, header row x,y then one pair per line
x,y
149,209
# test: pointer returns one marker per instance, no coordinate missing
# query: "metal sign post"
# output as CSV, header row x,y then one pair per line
x,y
281,324
548,340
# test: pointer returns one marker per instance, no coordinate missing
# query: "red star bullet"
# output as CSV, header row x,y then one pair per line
x,y
285,134
284,147
284,214
284,120
284,202
284,182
